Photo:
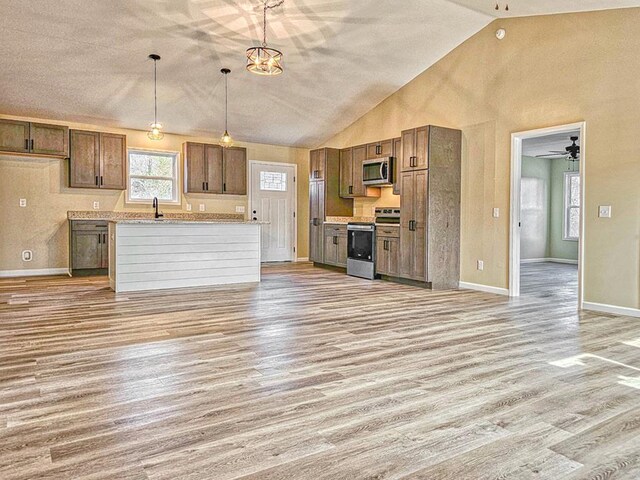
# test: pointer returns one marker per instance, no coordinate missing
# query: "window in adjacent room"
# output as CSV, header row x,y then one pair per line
x,y
571,206
152,174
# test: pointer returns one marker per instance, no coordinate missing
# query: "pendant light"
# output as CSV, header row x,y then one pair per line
x,y
226,140
156,128
264,60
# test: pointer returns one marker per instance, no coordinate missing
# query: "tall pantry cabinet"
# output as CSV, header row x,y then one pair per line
x,y
324,197
430,206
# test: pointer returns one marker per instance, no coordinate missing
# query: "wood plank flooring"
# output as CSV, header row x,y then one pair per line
x,y
312,375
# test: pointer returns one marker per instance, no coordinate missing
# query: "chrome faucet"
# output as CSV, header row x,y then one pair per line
x,y
155,205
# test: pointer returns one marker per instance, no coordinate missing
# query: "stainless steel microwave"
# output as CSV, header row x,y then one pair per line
x,y
378,171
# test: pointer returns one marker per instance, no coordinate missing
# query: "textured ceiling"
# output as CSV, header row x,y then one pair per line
x,y
86,61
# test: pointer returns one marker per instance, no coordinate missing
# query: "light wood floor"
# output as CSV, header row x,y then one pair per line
x,y
312,375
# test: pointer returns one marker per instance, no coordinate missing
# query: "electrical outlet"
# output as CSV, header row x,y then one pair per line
x,y
604,211
23,202
96,205
480,265
27,255
496,212
188,207
202,207
239,208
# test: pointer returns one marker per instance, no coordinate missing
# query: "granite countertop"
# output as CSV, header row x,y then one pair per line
x,y
345,220
183,221
185,216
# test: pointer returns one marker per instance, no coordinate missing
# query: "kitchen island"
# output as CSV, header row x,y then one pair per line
x,y
156,254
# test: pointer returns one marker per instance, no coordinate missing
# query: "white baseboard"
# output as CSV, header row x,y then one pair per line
x,y
603,307
552,260
302,259
484,288
33,272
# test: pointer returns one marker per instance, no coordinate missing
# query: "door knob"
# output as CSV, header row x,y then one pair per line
x,y
255,218
254,212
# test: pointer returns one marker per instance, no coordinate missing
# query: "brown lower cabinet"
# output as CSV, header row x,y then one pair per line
x,y
387,251
335,245
89,247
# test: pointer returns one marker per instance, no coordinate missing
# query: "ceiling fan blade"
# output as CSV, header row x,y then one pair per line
x,y
548,155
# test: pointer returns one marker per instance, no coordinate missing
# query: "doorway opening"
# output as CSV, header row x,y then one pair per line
x,y
546,248
273,200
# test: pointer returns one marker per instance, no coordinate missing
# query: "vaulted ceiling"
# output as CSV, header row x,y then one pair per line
x,y
86,60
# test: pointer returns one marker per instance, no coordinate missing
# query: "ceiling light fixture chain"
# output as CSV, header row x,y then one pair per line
x,y
264,19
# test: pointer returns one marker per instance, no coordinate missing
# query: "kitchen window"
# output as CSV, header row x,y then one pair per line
x,y
152,174
571,206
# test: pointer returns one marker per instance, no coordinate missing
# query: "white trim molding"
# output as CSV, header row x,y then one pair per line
x,y
552,260
484,288
33,272
616,310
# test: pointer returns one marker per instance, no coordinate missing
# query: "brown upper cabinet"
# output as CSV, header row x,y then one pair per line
x,y
210,168
97,160
34,138
317,164
351,183
415,148
380,149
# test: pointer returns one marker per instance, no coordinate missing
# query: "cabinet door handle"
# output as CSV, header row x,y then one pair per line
x,y
104,238
335,240
224,187
96,179
206,186
350,189
32,144
99,239
101,180
26,144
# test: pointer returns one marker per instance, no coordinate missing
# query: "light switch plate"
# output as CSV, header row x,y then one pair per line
x,y
239,208
480,265
188,207
202,207
604,211
23,202
96,205
27,255
496,212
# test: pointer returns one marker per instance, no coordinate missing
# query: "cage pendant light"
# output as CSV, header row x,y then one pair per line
x,y
226,140
264,60
156,128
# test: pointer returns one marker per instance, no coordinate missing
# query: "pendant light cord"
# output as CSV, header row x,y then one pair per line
x,y
226,102
264,19
155,91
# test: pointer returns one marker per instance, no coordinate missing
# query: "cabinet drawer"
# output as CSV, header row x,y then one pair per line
x,y
335,229
89,225
393,232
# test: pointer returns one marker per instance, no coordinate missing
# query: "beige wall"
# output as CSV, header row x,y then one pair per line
x,y
549,70
42,226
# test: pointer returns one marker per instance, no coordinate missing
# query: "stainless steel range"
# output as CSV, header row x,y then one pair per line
x,y
361,248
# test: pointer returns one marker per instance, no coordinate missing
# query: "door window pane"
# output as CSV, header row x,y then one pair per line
x,y
273,181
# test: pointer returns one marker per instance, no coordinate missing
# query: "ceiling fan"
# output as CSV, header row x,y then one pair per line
x,y
572,152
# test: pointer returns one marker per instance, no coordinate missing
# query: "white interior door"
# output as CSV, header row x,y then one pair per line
x,y
273,200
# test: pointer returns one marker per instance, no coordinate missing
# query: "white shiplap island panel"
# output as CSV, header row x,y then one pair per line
x,y
151,255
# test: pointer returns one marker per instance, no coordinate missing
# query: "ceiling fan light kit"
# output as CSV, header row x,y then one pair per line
x,y
264,60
